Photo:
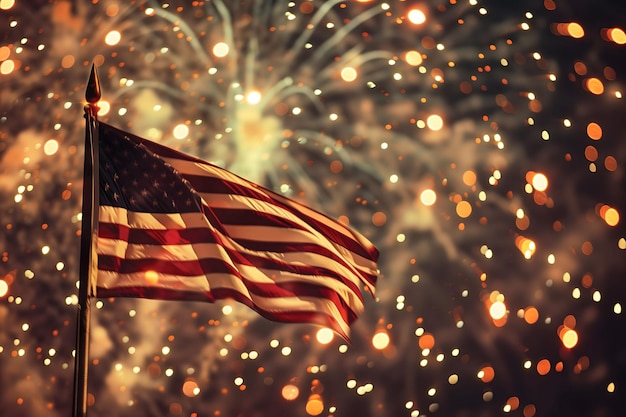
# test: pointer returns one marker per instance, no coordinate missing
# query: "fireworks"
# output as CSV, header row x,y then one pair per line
x,y
476,144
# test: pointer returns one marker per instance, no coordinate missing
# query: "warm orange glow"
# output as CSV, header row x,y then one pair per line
x,y
594,85
5,52
569,338
463,209
617,35
487,374
314,405
530,410
575,30
543,367
610,163
610,215
469,178
67,61
531,315
379,218
190,388
580,68
513,402
152,277
594,131
426,341
290,392
336,167
591,153
569,321
526,246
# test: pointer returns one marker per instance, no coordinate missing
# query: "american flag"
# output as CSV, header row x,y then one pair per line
x,y
174,227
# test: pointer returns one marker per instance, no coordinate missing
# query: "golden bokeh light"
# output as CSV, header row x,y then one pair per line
x,y
617,35
7,67
434,122
324,336
428,197
348,74
290,392
463,209
569,338
4,288
380,340
220,49
469,178
594,85
413,58
575,30
113,38
497,310
6,4
314,405
539,181
416,16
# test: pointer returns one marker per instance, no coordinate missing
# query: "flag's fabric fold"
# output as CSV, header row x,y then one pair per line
x,y
174,227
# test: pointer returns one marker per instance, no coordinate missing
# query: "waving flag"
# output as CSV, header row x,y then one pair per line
x,y
174,227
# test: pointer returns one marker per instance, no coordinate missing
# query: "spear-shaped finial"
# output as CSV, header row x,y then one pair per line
x,y
92,93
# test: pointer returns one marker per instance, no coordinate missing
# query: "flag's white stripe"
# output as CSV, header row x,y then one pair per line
x,y
271,305
153,221
187,252
112,279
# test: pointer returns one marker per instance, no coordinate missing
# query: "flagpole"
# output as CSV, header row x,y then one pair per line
x,y
88,260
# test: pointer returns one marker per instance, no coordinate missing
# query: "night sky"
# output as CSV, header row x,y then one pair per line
x,y
478,144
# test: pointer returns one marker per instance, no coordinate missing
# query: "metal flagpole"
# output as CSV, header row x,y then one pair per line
x,y
88,258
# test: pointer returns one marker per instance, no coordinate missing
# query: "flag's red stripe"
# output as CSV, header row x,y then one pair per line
x,y
249,217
